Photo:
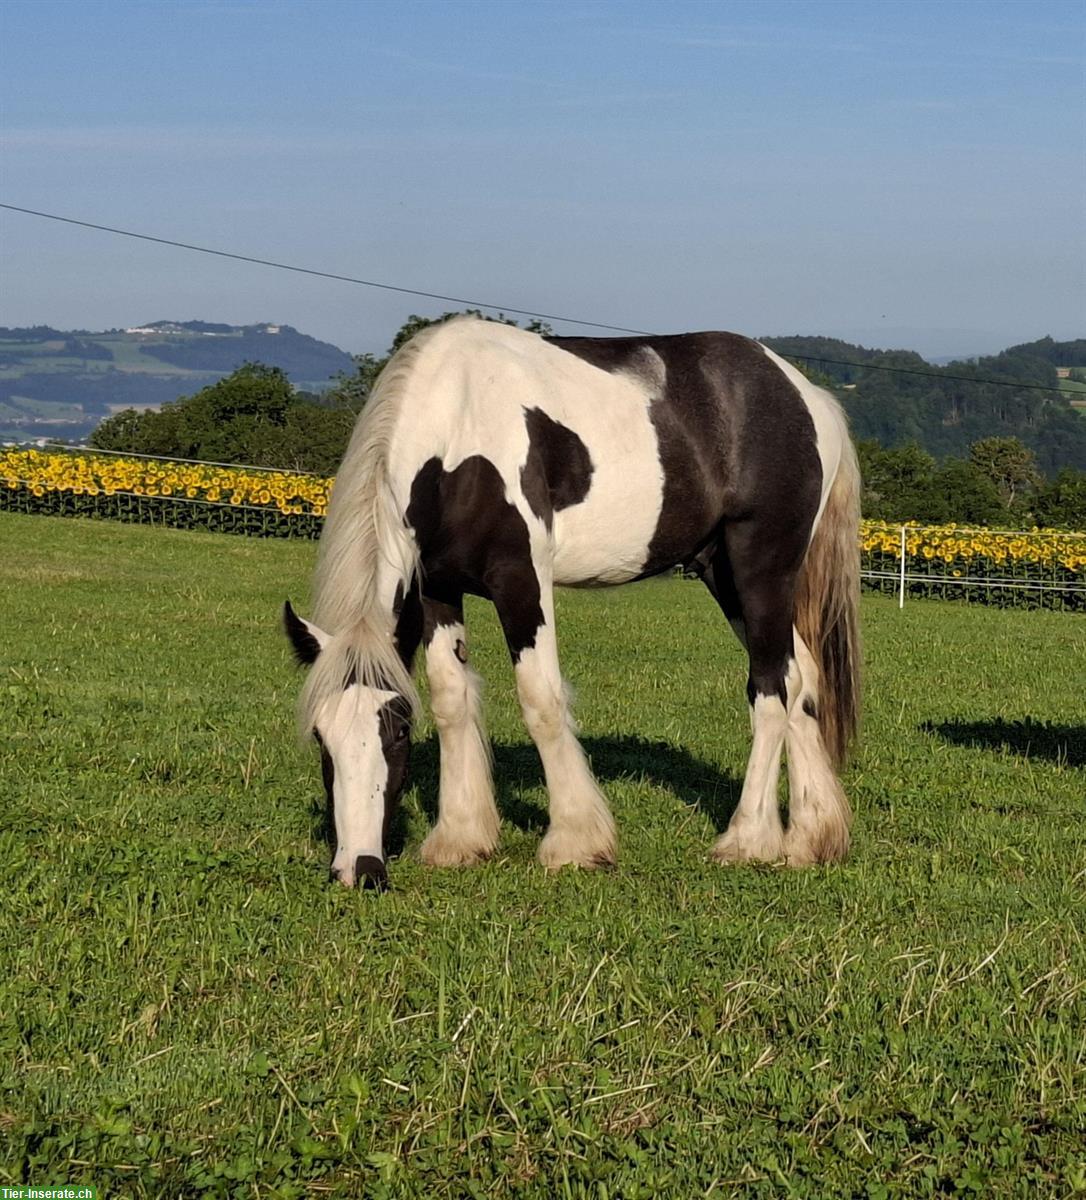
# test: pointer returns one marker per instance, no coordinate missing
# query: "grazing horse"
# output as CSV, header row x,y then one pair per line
x,y
495,462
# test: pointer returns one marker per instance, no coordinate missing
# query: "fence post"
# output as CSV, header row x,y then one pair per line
x,y
901,586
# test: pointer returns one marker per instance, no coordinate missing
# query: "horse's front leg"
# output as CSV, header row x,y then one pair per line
x,y
582,830
467,820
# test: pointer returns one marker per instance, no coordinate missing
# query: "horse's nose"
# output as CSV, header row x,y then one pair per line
x,y
370,873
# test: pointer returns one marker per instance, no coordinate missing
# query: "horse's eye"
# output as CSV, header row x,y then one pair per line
x,y
401,732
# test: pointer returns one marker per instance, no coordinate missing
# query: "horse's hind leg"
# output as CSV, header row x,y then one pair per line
x,y
754,582
582,830
467,820
818,811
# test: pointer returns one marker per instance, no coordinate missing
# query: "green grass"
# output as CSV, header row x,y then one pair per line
x,y
187,1007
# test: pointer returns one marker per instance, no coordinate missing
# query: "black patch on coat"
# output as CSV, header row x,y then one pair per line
x,y
440,614
742,477
472,540
735,438
558,470
408,611
302,642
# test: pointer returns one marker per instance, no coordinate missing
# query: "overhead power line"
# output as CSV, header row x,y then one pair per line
x,y
267,262
837,362
499,308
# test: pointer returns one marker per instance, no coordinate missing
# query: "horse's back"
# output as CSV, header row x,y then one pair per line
x,y
623,454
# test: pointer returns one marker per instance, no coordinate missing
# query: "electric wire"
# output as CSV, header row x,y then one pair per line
x,y
503,308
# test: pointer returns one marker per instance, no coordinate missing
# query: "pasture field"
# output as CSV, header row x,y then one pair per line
x,y
188,1008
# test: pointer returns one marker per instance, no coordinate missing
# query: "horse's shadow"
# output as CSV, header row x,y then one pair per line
x,y
517,772
1031,739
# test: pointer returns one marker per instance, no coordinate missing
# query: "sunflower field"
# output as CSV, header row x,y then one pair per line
x,y
183,495
1039,568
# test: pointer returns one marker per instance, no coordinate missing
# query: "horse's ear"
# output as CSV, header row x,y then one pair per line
x,y
305,638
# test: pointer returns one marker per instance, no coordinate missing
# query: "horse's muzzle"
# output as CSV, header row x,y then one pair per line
x,y
370,873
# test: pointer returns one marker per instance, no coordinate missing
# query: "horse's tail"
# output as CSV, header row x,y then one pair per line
x,y
827,602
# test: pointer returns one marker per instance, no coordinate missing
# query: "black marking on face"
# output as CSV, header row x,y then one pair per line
x,y
394,723
736,442
302,642
370,873
558,471
328,777
471,539
810,708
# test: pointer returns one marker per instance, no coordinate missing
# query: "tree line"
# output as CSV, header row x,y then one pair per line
x,y
946,409
256,416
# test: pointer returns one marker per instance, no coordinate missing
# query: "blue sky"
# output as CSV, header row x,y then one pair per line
x,y
893,173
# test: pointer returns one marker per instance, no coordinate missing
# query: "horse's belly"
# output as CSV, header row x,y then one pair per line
x,y
606,538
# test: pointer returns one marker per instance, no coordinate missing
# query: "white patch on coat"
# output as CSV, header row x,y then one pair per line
x,y
467,821
468,394
831,427
349,727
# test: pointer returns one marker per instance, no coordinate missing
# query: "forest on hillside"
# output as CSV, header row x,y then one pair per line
x,y
944,410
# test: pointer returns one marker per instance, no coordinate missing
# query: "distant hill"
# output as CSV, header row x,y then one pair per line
x,y
943,409
59,384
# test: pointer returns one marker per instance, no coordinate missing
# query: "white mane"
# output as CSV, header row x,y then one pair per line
x,y
364,538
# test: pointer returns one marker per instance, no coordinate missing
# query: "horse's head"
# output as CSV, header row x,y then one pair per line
x,y
364,734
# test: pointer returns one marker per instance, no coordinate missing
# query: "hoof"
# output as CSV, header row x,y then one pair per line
x,y
571,846
444,849
740,846
802,849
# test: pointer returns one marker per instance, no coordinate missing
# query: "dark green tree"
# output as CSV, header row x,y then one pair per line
x,y
897,484
963,494
252,416
1061,503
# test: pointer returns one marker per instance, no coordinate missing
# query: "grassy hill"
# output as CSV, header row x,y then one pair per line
x,y
60,384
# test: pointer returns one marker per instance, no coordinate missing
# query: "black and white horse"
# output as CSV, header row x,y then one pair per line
x,y
494,462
